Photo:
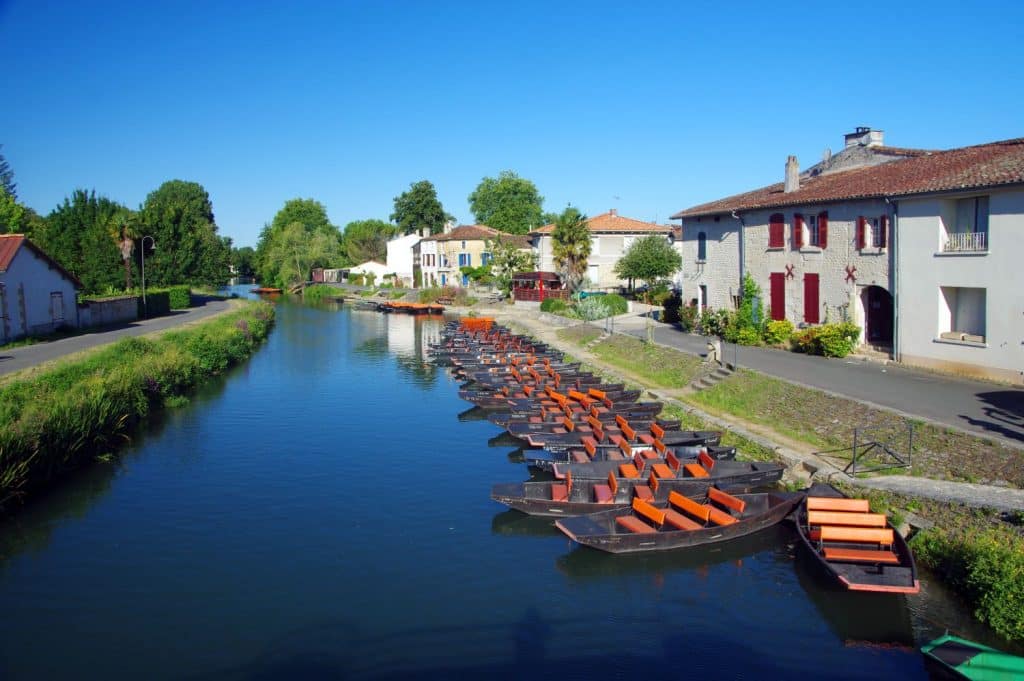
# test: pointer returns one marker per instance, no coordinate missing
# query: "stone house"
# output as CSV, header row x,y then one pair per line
x,y
895,240
37,295
441,257
611,237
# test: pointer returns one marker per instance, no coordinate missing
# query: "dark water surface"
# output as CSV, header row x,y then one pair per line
x,y
323,512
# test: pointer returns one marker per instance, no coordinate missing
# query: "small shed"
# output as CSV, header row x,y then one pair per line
x,y
537,287
37,295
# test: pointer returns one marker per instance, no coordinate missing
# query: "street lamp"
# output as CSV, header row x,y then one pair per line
x,y
152,242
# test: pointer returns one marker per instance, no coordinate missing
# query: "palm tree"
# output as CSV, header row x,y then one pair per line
x,y
122,229
571,247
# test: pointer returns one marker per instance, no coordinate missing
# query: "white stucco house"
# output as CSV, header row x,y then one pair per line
x,y
914,246
378,269
400,258
37,296
441,257
611,236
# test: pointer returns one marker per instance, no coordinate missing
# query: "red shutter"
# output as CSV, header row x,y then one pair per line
x,y
798,230
862,240
776,231
883,228
777,282
811,304
823,229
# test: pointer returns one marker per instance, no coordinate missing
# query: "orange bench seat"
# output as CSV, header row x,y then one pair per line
x,y
634,524
848,519
838,504
603,494
695,470
860,556
680,522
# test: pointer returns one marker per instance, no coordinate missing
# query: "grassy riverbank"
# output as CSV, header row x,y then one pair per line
x,y
978,552
66,416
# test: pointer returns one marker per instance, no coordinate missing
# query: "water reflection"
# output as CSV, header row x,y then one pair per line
x,y
515,523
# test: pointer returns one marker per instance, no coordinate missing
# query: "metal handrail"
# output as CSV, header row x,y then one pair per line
x,y
965,242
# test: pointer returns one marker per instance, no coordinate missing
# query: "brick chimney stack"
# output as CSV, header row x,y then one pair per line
x,y
614,212
792,175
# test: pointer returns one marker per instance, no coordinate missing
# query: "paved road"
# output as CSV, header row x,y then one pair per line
x,y
16,359
990,409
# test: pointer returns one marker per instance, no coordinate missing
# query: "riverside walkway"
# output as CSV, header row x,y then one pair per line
x,y
26,356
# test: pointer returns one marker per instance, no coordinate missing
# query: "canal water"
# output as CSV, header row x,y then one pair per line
x,y
323,512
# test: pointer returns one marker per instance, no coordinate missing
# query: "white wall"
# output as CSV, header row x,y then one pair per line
x,y
923,311
28,283
605,252
399,256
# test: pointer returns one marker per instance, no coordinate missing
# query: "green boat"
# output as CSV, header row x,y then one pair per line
x,y
958,658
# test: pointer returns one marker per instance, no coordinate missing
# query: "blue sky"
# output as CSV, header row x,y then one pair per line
x,y
645,107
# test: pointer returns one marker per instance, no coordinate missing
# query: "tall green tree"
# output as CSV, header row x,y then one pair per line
x,y
244,260
418,209
571,247
12,213
277,253
187,249
7,177
650,259
508,203
367,240
77,234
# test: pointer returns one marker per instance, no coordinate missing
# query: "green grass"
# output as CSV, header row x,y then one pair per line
x,y
65,416
657,366
580,334
318,293
746,449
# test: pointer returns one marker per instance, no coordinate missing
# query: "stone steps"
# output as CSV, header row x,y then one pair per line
x,y
711,378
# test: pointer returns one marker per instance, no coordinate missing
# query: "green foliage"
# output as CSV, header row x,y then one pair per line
x,y
715,322
299,238
777,331
649,259
508,259
830,340
571,247
591,308
66,416
419,208
746,336
688,317
508,203
365,240
362,278
456,294
157,303
244,260
615,303
479,275
554,305
318,292
7,183
987,568
12,213
180,297
179,217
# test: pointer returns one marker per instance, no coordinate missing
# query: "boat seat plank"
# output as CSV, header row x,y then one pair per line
x,y
695,470
646,510
603,494
719,517
646,439
727,500
643,492
662,471
848,519
868,535
838,504
679,521
628,470
688,505
579,457
860,556
634,524
559,492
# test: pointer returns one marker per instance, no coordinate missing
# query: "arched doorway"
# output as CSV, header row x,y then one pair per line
x,y
877,316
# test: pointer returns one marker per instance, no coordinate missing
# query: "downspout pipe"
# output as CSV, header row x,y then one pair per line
x,y
743,250
895,265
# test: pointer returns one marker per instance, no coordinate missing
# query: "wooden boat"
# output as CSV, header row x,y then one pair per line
x,y
953,657
681,522
614,457
569,496
410,308
859,549
265,290
610,437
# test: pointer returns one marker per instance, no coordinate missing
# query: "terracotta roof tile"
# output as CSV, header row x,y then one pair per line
x,y
612,222
985,165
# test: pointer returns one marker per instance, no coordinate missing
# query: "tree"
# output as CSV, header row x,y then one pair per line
x,y
509,203
12,213
418,209
571,247
367,240
77,234
506,260
186,249
244,260
650,260
280,251
7,177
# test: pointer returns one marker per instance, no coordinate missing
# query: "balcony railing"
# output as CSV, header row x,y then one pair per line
x,y
966,242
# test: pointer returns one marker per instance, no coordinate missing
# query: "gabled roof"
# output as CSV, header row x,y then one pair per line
x,y
466,233
977,167
613,223
11,243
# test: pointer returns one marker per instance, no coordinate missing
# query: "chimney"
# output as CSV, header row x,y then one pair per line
x,y
865,137
792,175
614,212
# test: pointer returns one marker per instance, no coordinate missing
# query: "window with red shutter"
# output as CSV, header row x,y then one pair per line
x,y
777,287
883,230
861,233
798,230
776,231
811,304
823,229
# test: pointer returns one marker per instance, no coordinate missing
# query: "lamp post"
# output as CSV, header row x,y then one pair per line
x,y
152,242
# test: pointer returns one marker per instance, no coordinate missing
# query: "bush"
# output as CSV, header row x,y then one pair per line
x,y
615,303
673,304
180,297
591,308
745,336
987,569
156,304
778,331
715,322
829,340
554,306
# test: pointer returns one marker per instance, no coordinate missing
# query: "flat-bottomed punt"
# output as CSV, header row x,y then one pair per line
x,y
681,522
952,657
